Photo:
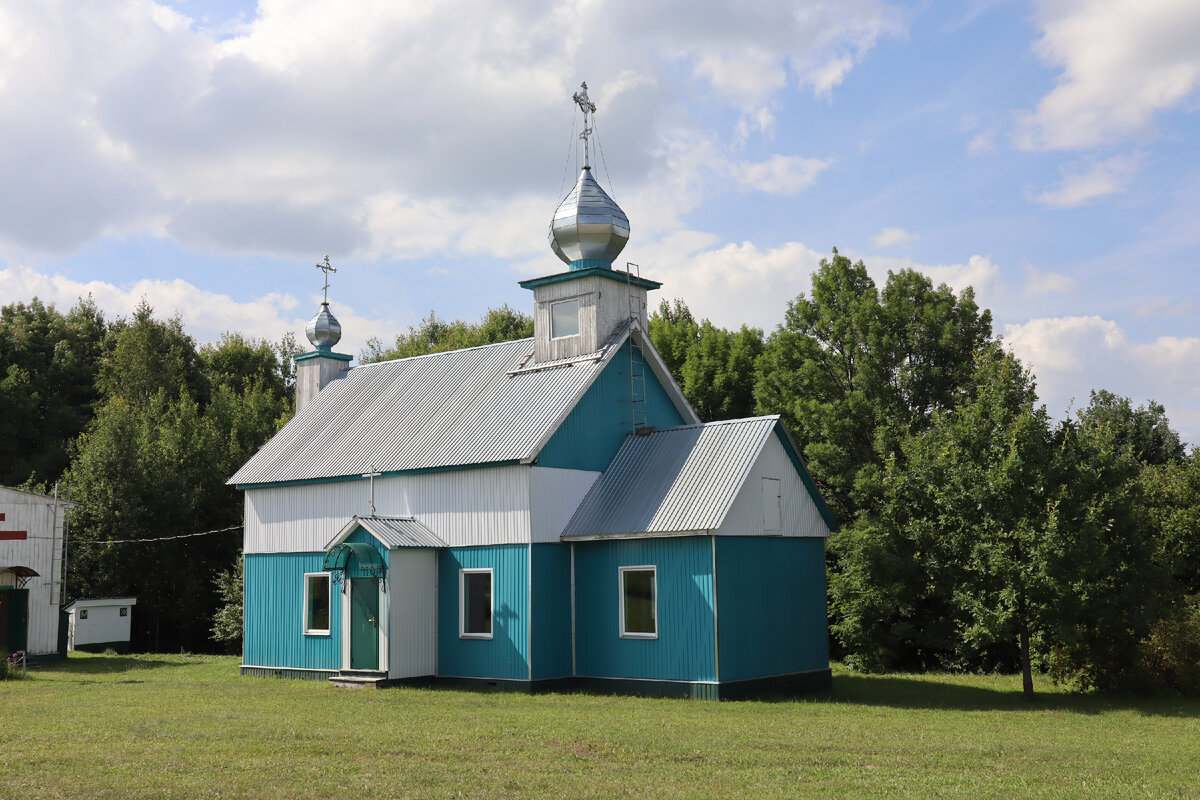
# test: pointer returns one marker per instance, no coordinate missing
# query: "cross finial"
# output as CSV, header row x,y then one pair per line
x,y
589,108
326,268
373,474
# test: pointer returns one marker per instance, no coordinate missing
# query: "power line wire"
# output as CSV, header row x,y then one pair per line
x,y
134,541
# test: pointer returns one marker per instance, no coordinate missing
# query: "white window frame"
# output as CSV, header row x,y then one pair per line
x,y
653,570
578,306
329,599
462,602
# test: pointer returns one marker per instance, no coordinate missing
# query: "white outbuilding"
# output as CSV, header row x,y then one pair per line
x,y
100,624
31,551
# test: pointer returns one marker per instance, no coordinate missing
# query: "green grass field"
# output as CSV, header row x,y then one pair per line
x,y
189,726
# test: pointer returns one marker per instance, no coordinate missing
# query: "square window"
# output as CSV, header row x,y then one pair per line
x,y
316,602
475,603
639,603
83,613
124,612
564,319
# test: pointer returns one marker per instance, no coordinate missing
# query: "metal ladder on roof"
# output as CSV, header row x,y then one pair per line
x,y
637,361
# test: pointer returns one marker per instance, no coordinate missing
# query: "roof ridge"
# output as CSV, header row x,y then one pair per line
x,y
716,422
442,352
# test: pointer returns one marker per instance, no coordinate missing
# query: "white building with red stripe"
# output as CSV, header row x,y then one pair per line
x,y
31,570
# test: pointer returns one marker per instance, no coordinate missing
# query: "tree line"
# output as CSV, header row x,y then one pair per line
x,y
976,532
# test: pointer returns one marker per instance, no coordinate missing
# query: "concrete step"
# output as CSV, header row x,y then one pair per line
x,y
359,679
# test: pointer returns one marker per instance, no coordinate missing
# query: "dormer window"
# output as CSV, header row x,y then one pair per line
x,y
564,318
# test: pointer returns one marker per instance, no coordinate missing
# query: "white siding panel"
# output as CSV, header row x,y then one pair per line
x,y
554,494
41,551
800,514
412,633
463,507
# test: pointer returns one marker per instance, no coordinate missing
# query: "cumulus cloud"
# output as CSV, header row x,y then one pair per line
x,y
893,237
1081,186
1039,283
205,314
303,127
1073,355
779,175
1122,62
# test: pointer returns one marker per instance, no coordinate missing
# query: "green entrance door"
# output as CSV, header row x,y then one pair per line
x,y
14,619
364,623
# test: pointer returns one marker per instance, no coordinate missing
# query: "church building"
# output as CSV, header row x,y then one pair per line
x,y
536,514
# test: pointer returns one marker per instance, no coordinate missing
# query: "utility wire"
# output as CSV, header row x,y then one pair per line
x,y
77,542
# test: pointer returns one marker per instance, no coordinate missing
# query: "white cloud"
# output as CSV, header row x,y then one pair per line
x,y
1039,283
297,133
893,237
779,175
1073,355
206,315
1122,61
734,284
1085,185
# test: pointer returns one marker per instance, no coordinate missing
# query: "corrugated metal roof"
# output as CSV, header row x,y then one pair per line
x,y
445,409
672,480
397,532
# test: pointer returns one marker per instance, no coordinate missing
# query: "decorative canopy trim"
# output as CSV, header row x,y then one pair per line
x,y
368,558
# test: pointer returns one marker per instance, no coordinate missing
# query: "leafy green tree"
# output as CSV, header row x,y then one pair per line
x,y
953,564
153,464
854,371
227,621
435,335
48,363
1146,431
674,332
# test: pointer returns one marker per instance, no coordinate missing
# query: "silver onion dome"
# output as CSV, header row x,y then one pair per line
x,y
323,330
588,227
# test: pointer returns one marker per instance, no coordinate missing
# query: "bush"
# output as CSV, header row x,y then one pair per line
x,y
1170,655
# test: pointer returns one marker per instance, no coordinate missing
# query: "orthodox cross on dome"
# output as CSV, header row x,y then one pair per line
x,y
326,268
589,108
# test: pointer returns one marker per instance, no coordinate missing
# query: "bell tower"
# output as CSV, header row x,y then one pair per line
x,y
315,370
576,312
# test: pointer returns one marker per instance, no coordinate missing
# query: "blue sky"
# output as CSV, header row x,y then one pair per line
x,y
205,155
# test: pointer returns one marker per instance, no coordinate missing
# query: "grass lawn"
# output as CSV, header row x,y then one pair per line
x,y
189,726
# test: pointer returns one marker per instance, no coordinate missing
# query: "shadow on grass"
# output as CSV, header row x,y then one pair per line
x,y
104,665
928,692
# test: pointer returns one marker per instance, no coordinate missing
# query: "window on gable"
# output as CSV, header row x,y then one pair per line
x,y
316,602
639,603
564,318
475,603
772,505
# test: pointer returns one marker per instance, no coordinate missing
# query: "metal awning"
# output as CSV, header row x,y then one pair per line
x,y
367,556
23,574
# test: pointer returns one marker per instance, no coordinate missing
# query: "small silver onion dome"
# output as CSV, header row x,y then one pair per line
x,y
323,330
588,225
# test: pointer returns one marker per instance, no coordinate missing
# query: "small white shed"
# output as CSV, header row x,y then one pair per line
x,y
100,624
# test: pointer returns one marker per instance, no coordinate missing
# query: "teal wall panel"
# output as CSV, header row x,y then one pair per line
x,y
592,433
506,654
551,621
274,608
685,647
771,609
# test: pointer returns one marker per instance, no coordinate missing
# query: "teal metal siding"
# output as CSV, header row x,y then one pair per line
x,y
591,434
771,606
506,654
551,611
274,608
685,648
